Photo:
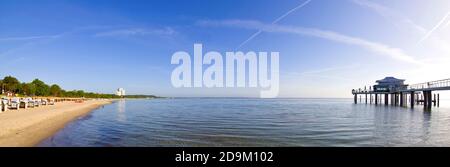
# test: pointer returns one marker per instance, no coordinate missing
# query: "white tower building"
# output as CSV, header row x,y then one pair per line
x,y
120,92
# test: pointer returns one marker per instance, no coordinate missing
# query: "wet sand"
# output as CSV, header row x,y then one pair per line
x,y
28,127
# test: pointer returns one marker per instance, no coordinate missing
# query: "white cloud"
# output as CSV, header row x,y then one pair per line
x,y
136,32
331,69
27,38
30,41
382,49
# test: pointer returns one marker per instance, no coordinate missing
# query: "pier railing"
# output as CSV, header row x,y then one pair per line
x,y
429,85
361,91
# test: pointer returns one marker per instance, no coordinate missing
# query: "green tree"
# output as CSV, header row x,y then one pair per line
x,y
20,88
28,89
69,94
10,84
55,90
42,89
39,88
63,93
79,93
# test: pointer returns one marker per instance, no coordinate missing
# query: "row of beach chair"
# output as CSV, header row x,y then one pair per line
x,y
16,103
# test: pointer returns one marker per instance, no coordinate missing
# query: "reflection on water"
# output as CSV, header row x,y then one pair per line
x,y
121,116
255,122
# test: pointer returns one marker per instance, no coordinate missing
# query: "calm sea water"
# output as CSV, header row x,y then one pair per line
x,y
255,122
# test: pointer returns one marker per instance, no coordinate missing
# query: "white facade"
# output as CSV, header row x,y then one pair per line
x,y
120,92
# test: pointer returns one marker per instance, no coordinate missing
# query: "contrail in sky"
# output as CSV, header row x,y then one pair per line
x,y
275,22
448,23
434,28
376,47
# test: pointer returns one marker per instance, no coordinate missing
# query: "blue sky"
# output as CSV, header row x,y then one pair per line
x,y
327,47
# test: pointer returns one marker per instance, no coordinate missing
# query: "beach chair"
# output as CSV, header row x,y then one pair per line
x,y
15,102
37,103
23,103
31,103
51,102
44,102
3,105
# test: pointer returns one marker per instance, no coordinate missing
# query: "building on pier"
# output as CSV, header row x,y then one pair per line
x,y
389,84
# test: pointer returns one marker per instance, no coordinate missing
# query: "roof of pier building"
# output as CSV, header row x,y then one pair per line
x,y
390,81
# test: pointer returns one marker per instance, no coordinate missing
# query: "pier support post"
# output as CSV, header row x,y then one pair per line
x,y
376,99
412,99
417,99
386,97
425,99
366,98
434,101
370,95
401,99
397,99
355,98
392,99
430,100
427,102
438,101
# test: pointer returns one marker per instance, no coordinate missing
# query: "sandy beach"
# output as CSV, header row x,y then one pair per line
x,y
27,127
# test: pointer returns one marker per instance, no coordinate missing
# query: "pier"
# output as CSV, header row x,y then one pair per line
x,y
392,91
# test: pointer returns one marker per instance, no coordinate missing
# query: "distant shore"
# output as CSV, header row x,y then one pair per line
x,y
28,127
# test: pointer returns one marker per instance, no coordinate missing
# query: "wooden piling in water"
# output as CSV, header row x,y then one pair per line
x,y
396,99
438,100
417,99
401,99
392,99
376,99
386,98
434,102
430,99
425,100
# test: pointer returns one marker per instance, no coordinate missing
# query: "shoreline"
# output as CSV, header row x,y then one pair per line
x,y
28,127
